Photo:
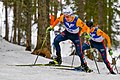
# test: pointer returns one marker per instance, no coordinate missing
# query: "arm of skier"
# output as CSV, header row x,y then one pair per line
x,y
53,25
84,27
101,33
59,19
51,19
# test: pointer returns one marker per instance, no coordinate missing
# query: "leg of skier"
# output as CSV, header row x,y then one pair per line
x,y
57,40
76,41
102,49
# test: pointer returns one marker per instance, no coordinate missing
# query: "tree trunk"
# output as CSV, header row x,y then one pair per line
x,y
6,21
35,15
102,14
55,8
15,21
111,15
28,25
19,23
80,8
61,6
42,25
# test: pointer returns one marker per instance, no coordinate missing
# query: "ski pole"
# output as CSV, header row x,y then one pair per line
x,y
91,50
41,47
114,63
73,58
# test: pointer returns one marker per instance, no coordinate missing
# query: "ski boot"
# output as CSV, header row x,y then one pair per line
x,y
112,72
56,61
84,67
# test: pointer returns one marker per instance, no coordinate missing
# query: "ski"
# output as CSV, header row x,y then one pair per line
x,y
62,67
74,69
113,74
44,65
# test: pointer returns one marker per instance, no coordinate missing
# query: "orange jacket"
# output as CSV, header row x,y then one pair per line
x,y
103,34
79,23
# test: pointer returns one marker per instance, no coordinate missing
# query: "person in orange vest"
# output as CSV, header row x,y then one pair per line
x,y
96,40
72,29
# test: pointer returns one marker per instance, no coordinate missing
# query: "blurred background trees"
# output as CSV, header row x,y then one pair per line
x,y
26,13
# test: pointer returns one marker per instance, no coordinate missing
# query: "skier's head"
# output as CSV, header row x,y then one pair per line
x,y
89,24
68,11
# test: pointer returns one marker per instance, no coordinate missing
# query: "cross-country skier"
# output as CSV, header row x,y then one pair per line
x,y
72,24
96,39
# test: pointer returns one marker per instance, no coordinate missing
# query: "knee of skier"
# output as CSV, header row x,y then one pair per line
x,y
56,42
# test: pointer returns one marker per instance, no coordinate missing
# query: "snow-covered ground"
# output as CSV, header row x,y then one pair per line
x,y
11,54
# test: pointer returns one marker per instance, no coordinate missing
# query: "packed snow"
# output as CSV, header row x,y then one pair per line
x,y
12,54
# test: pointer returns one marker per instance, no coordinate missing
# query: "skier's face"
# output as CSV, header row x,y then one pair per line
x,y
68,18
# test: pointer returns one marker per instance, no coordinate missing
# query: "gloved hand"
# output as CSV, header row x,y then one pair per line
x,y
49,29
110,52
87,36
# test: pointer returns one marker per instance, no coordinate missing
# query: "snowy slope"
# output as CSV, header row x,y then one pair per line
x,y
11,54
